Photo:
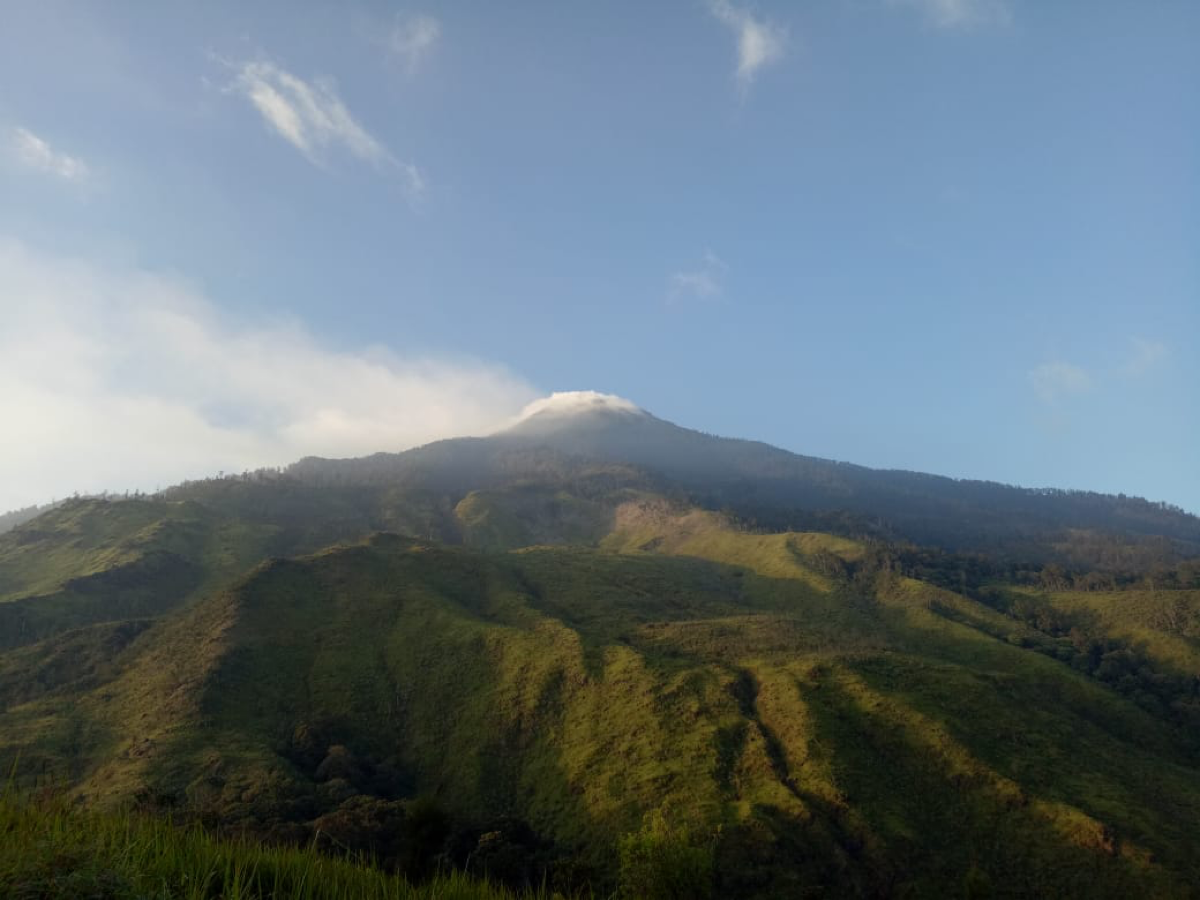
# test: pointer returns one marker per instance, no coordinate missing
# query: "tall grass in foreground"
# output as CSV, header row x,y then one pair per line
x,y
50,849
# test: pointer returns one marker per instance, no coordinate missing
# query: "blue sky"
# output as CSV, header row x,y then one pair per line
x,y
957,236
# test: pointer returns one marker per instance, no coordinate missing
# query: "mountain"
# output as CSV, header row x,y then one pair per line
x,y
767,483
562,652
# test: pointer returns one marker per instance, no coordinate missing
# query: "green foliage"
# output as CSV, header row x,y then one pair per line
x,y
99,560
1142,644
531,515
49,849
662,862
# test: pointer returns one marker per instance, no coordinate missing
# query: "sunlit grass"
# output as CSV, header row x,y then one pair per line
x,y
50,849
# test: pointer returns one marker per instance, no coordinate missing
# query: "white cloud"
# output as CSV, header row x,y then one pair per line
x,y
960,14
1144,356
573,402
1053,381
759,43
313,119
116,379
412,39
703,283
30,150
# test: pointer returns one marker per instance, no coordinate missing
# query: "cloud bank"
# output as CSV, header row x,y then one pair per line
x,y
36,153
114,380
759,43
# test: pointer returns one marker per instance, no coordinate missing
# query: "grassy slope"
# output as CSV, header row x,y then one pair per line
x,y
94,561
69,662
827,728
50,850
102,561
1165,623
521,517
73,541
716,676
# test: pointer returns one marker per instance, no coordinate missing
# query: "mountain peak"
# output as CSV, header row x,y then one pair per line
x,y
573,403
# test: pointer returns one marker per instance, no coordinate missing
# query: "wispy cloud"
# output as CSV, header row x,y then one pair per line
x,y
1144,356
702,283
1053,381
36,153
311,117
114,378
759,42
413,38
960,14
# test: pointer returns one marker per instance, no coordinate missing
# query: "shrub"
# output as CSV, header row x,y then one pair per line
x,y
661,862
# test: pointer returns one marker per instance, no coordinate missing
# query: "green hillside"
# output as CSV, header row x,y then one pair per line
x,y
1164,623
654,685
92,561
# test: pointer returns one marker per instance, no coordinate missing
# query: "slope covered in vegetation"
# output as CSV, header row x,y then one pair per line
x,y
804,721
